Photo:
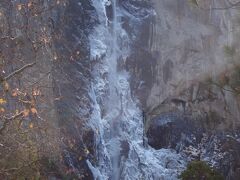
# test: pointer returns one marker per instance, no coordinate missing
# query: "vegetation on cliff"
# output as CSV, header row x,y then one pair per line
x,y
199,170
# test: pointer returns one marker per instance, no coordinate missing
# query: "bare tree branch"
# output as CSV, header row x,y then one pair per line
x,y
19,71
8,119
219,86
4,171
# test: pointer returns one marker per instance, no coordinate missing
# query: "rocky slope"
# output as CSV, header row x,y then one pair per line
x,y
174,60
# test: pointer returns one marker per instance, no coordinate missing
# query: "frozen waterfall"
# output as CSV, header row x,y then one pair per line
x,y
121,154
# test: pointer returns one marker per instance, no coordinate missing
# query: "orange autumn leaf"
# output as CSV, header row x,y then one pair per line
x,y
19,7
2,101
14,93
34,110
29,4
5,86
36,92
31,125
25,112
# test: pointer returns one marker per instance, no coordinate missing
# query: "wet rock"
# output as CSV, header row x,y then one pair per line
x,y
173,130
141,80
109,11
124,148
138,9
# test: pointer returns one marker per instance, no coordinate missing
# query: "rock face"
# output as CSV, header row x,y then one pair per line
x,y
182,69
178,46
188,137
54,35
194,130
72,80
26,41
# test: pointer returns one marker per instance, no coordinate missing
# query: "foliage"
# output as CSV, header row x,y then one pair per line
x,y
234,81
229,50
228,80
193,2
223,79
199,170
209,79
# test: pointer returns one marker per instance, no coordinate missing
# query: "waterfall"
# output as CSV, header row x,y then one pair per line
x,y
121,154
115,98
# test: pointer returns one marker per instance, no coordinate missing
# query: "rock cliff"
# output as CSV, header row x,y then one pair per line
x,y
64,72
188,84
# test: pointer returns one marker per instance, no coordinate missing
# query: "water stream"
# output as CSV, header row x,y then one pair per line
x,y
121,154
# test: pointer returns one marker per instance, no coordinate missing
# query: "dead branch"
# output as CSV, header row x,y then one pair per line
x,y
8,119
19,71
5,171
25,102
8,37
219,86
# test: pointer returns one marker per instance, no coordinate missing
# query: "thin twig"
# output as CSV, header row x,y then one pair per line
x,y
19,70
19,168
219,86
8,119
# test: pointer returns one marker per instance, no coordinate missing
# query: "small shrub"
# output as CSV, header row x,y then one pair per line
x,y
229,51
209,80
223,79
199,170
193,2
235,79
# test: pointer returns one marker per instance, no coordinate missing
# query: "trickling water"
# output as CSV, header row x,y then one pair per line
x,y
113,56
115,98
121,154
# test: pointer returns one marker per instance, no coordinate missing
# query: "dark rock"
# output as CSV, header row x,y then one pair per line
x,y
193,139
139,15
124,148
173,130
167,70
141,80
71,82
222,150
109,12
